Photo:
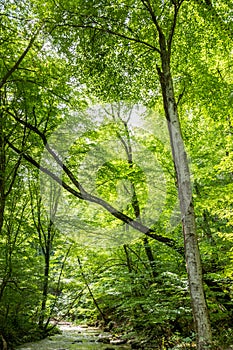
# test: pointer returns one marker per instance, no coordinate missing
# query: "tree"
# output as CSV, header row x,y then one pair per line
x,y
119,22
46,236
105,23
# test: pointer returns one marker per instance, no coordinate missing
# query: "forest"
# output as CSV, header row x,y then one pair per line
x,y
116,170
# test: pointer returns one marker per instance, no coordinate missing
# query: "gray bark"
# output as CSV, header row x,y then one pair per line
x,y
192,254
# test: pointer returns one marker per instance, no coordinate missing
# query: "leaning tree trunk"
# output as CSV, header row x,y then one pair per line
x,y
192,254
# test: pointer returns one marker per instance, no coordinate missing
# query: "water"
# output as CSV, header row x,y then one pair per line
x,y
74,338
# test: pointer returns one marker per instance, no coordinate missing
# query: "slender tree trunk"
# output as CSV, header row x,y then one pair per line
x,y
91,293
4,343
192,254
48,240
135,203
2,188
2,169
150,257
128,259
45,287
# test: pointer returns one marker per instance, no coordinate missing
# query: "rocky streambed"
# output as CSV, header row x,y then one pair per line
x,y
78,338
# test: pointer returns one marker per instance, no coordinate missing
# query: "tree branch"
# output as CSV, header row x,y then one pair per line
x,y
149,8
49,149
90,198
172,30
20,59
110,31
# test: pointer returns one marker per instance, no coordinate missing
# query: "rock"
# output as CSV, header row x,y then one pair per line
x,y
118,341
104,340
134,344
109,326
77,341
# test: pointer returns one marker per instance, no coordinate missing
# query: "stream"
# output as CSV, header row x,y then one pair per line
x,y
76,338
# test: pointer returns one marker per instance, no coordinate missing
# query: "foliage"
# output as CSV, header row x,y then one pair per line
x,y
81,77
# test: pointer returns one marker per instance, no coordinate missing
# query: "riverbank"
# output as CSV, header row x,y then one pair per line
x,y
78,337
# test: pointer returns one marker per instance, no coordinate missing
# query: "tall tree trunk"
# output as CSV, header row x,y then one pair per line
x,y
45,287
2,168
192,254
135,202
47,248
2,189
